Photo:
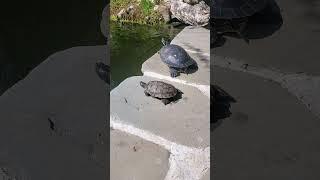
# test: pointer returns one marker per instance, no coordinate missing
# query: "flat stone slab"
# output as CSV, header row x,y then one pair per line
x,y
280,49
65,88
134,158
185,122
206,176
194,39
197,41
270,134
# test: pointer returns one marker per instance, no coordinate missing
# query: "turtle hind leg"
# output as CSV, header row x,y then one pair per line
x,y
165,101
174,72
146,93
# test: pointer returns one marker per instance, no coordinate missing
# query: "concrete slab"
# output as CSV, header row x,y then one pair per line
x,y
206,176
286,49
194,40
135,158
186,122
66,89
200,77
270,134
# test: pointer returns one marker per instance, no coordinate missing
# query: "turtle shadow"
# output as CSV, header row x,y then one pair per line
x,y
103,71
199,53
177,97
220,104
260,25
192,69
264,23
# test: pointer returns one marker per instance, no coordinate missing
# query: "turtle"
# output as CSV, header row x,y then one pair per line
x,y
165,92
103,71
231,16
176,58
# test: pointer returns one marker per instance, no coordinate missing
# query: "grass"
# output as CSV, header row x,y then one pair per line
x,y
143,9
146,6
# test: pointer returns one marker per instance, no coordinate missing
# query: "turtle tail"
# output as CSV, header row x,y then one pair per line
x,y
143,84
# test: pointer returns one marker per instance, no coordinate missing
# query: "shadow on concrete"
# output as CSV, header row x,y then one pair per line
x,y
193,68
200,54
312,9
260,25
103,71
220,105
177,97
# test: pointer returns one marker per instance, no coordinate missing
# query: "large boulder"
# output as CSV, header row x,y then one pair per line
x,y
196,15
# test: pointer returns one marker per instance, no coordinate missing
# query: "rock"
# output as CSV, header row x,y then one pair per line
x,y
104,24
130,10
156,7
196,15
191,2
121,14
165,12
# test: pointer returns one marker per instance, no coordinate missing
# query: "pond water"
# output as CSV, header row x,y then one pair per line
x,y
131,45
32,31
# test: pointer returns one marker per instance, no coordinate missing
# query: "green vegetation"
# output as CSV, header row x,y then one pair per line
x,y
146,6
143,12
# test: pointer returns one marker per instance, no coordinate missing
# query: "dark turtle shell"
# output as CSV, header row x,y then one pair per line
x,y
175,56
232,9
160,89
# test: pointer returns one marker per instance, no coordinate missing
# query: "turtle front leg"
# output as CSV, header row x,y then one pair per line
x,y
174,72
146,93
165,101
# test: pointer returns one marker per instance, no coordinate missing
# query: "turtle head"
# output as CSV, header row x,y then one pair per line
x,y
143,84
164,42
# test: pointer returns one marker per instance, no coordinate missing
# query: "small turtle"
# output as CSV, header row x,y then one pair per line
x,y
103,71
177,59
160,90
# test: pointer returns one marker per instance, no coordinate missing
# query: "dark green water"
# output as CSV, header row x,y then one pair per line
x,y
131,45
32,31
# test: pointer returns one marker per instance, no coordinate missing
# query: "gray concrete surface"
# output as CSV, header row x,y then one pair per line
x,y
135,158
270,134
206,176
273,131
66,89
184,122
294,48
196,41
181,127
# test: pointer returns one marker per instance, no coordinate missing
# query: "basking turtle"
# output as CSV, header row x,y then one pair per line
x,y
231,16
103,71
177,59
160,90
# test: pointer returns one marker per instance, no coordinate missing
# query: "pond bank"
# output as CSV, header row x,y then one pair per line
x,y
181,128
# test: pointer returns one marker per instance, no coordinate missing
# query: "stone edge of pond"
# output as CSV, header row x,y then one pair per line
x,y
185,163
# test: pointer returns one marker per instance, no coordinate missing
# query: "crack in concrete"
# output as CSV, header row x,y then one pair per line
x,y
185,163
